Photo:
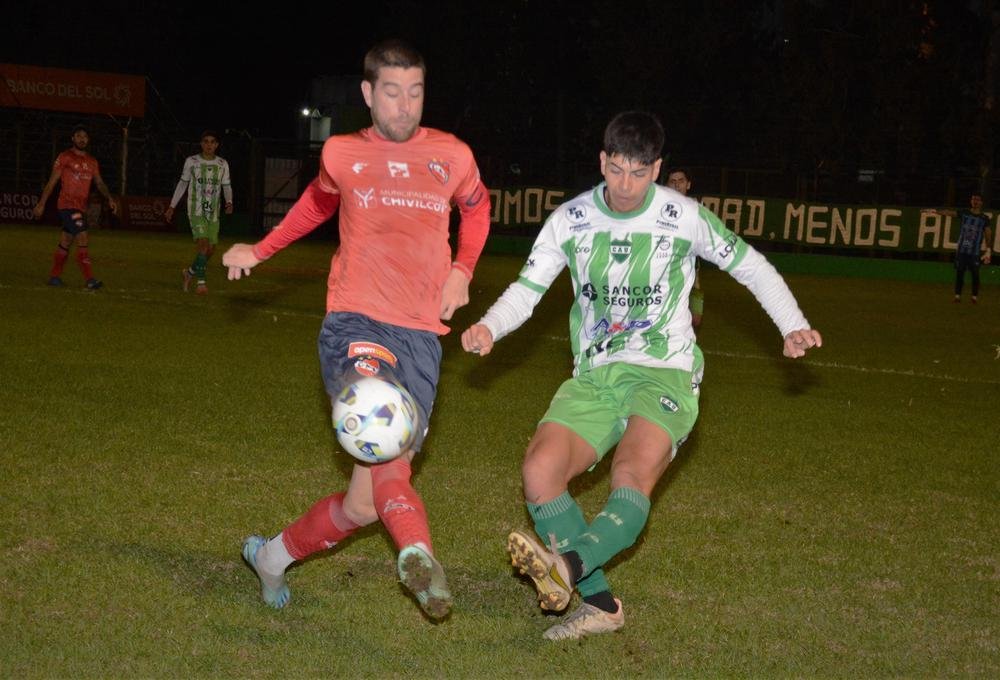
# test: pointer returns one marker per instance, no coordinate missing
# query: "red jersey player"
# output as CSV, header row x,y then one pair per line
x,y
75,169
391,282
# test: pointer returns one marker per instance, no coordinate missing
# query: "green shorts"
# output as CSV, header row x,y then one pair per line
x,y
598,404
202,228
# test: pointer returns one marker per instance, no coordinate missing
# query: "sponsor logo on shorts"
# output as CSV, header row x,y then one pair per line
x,y
366,366
373,350
668,404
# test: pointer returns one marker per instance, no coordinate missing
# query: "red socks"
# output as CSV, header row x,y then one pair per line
x,y
323,525
58,260
83,259
398,505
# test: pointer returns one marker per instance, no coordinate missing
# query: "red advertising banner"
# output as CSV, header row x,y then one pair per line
x,y
56,89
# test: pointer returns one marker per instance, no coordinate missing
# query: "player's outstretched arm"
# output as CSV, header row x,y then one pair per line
x,y
477,339
455,293
240,260
797,342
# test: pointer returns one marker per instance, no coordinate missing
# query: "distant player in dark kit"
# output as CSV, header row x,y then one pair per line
x,y
203,176
75,169
973,246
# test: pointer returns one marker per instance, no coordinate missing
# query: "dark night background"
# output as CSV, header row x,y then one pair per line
x,y
831,86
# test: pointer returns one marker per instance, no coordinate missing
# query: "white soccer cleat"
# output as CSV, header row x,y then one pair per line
x,y
587,620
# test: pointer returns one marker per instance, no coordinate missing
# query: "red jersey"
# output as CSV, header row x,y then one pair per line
x,y
395,207
77,170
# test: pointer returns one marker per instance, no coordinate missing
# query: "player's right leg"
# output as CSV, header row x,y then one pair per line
x,y
555,455
61,253
200,231
325,524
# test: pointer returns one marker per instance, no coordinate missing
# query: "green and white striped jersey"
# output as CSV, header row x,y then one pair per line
x,y
632,274
203,179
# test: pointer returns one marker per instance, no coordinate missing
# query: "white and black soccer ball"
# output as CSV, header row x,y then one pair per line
x,y
375,420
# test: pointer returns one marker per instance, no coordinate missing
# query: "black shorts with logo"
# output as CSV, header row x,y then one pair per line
x,y
352,346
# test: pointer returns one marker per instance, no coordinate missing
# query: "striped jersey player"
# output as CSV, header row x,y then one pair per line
x,y
630,247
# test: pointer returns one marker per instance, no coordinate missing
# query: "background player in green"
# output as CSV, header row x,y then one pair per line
x,y
630,246
974,237
203,176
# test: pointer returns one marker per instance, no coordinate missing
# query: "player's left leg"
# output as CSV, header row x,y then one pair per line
x,y
404,516
83,258
203,232
974,268
328,522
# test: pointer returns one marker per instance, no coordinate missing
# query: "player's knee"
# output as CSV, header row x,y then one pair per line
x,y
543,473
361,513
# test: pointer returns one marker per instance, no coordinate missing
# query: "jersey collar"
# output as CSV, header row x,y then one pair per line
x,y
604,208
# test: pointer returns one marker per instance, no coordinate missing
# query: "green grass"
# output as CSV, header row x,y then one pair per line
x,y
833,517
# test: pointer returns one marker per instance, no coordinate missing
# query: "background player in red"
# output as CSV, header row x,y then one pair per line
x,y
391,282
75,169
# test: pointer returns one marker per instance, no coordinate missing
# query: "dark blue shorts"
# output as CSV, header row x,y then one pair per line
x,y
73,221
352,346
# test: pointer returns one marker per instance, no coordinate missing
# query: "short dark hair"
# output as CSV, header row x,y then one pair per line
x,y
681,169
79,128
209,133
635,135
391,53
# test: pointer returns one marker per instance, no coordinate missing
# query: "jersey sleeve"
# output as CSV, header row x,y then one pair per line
x,y
226,182
517,303
733,255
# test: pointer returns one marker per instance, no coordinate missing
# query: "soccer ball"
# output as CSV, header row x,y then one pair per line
x,y
375,420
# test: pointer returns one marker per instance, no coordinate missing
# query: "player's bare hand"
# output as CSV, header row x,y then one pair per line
x,y
114,206
477,339
797,342
168,215
239,260
987,257
229,208
38,210
455,293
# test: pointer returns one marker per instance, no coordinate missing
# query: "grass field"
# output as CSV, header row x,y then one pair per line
x,y
833,517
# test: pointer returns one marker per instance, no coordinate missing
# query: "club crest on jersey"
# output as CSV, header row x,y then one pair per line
x,y
398,169
440,170
620,250
363,198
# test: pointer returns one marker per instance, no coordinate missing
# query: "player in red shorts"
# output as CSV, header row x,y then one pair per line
x,y
75,169
391,282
